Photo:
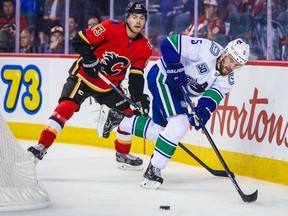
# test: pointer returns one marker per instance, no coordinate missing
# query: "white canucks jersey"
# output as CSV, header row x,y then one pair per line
x,y
199,58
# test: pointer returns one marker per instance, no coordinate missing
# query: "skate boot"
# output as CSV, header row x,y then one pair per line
x,y
38,152
152,178
101,119
113,120
129,162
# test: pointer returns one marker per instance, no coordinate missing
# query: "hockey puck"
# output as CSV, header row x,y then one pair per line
x,y
165,207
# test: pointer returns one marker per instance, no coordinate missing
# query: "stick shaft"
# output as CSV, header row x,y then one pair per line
x,y
245,198
214,172
119,91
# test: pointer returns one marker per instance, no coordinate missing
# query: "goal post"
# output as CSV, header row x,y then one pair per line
x,y
19,187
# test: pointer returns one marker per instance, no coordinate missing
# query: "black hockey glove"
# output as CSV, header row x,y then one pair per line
x,y
91,66
143,101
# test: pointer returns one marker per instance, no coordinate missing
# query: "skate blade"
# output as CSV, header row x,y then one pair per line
x,y
103,114
149,184
124,166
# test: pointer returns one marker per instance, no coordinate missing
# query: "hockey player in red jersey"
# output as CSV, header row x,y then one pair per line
x,y
109,48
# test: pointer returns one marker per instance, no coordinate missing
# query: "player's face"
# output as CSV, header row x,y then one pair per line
x,y
136,23
228,64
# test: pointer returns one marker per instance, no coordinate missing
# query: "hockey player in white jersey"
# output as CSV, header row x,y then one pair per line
x,y
206,70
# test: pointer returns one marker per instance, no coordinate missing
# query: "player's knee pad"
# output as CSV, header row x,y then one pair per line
x,y
66,108
141,126
153,131
62,113
176,128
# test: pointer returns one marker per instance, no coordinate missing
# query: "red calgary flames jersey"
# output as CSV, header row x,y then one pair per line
x,y
116,51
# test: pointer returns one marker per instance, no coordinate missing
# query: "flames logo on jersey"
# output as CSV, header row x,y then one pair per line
x,y
113,64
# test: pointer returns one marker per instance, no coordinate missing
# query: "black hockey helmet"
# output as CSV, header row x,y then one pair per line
x,y
135,7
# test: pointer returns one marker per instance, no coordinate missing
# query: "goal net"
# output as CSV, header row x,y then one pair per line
x,y
19,187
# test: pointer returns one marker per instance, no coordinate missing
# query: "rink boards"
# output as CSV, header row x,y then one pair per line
x,y
249,127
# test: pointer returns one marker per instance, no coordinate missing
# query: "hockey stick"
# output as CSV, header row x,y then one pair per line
x,y
221,173
246,198
118,90
214,172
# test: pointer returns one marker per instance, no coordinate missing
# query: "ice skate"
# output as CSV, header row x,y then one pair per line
x,y
113,120
129,162
152,178
101,119
38,152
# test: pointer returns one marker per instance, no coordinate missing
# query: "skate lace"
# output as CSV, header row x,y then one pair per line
x,y
131,157
116,115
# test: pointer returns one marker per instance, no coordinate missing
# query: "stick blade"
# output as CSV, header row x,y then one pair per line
x,y
250,198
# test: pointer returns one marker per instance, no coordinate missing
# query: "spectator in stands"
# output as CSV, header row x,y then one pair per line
x,y
159,22
30,10
8,21
92,8
27,42
56,40
6,44
53,15
92,22
72,32
180,16
209,24
72,27
152,37
253,7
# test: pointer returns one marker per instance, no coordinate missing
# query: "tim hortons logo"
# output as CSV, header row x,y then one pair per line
x,y
251,123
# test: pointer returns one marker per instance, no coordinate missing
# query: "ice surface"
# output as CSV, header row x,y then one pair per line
x,y
83,180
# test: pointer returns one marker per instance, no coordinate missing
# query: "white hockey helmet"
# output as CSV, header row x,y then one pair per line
x,y
239,50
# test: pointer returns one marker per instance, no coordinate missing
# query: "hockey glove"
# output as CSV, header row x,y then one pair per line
x,y
201,114
143,101
176,76
91,66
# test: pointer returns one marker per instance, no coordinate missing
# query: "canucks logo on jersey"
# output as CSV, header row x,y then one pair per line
x,y
194,88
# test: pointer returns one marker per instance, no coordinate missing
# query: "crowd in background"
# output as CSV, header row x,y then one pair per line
x,y
42,23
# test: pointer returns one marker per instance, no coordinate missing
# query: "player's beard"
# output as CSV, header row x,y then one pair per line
x,y
132,30
222,67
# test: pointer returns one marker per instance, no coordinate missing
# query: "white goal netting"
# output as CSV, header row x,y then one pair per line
x,y
19,187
